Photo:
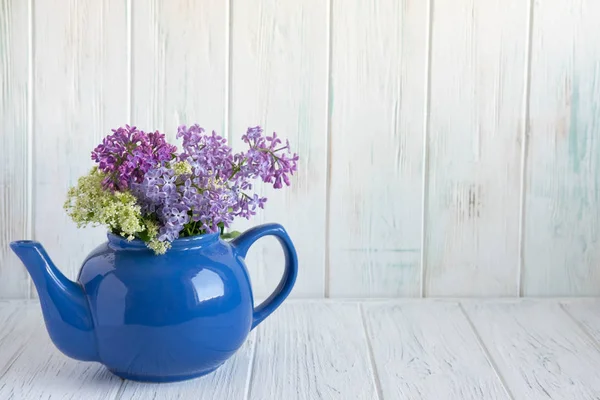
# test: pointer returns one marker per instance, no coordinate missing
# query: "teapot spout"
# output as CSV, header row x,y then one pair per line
x,y
64,304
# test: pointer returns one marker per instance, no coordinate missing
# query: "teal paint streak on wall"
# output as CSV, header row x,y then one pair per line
x,y
584,150
578,135
574,131
576,150
579,193
595,139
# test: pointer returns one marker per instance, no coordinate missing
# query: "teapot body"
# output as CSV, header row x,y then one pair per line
x,y
169,317
157,318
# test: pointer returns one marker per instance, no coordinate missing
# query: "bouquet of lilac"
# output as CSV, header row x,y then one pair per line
x,y
143,188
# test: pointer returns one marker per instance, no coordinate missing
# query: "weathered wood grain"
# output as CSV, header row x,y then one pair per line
x,y
538,349
15,216
279,81
80,95
312,351
562,222
18,322
179,74
40,371
376,107
318,350
227,382
587,313
346,81
478,66
427,350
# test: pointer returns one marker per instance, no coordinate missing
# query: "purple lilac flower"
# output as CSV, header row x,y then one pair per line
x,y
173,217
266,159
128,154
209,155
214,193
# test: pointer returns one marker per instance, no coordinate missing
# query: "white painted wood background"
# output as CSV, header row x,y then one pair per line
x,y
448,148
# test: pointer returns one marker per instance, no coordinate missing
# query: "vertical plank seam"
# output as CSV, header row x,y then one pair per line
x,y
229,41
30,164
580,325
486,352
250,374
524,145
129,62
375,374
327,263
425,165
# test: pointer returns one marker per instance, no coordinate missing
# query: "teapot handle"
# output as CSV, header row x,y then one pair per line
x,y
243,242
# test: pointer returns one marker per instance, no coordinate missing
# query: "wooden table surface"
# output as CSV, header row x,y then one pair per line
x,y
401,349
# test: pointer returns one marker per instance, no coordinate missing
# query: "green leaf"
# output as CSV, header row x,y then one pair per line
x,y
230,235
144,235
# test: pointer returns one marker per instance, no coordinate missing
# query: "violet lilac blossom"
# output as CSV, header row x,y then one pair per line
x,y
127,154
206,186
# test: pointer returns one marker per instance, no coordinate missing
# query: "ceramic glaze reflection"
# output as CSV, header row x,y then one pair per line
x,y
210,283
156,318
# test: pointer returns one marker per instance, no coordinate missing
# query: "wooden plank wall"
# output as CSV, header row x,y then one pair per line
x,y
15,128
562,203
478,63
278,79
79,60
448,148
377,100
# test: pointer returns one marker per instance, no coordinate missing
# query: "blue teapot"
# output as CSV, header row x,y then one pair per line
x,y
154,318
